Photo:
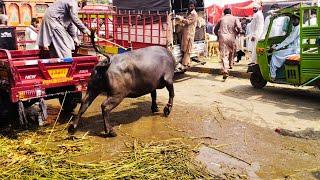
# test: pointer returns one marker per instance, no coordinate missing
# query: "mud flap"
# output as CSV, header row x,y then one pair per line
x,y
22,114
254,69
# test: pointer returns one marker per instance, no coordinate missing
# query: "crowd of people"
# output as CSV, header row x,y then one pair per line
x,y
232,32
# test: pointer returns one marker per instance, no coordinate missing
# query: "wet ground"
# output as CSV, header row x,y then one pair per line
x,y
232,123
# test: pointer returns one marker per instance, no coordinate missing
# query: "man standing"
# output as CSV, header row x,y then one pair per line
x,y
257,24
227,29
57,32
188,33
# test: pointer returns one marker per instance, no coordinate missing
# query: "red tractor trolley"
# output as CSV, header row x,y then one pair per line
x,y
28,77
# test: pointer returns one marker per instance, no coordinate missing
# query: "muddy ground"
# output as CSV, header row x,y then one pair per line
x,y
233,124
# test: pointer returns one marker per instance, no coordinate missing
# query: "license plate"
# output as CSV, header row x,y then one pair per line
x,y
58,73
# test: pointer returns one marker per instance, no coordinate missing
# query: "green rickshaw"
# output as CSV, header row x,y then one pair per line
x,y
300,69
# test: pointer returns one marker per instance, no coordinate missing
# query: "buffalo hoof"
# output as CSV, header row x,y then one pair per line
x,y
166,111
154,109
72,129
111,133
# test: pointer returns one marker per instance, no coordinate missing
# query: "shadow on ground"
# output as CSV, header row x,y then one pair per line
x,y
128,115
296,99
184,77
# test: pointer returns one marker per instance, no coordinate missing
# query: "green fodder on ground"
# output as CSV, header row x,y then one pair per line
x,y
33,156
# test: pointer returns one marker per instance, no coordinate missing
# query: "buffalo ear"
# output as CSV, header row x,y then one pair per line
x,y
102,66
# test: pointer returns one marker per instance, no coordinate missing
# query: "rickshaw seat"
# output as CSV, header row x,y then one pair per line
x,y
293,59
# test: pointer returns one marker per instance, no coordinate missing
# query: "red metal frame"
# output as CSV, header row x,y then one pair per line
x,y
21,65
133,29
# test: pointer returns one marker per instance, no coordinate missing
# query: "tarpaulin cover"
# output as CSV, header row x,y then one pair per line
x,y
242,9
150,5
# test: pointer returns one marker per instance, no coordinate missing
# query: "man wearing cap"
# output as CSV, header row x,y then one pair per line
x,y
279,24
257,24
188,33
57,32
291,45
227,29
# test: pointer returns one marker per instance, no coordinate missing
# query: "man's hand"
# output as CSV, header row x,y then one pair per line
x,y
179,17
272,48
253,38
77,42
87,32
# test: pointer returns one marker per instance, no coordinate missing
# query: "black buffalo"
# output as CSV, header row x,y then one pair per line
x,y
131,74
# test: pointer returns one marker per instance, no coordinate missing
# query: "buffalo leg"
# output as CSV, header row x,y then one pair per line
x,y
106,107
85,103
154,106
168,107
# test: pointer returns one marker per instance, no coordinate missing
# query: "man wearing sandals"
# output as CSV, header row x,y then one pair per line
x,y
227,30
188,33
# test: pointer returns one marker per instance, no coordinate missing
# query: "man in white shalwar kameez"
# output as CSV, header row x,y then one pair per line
x,y
248,37
257,24
292,42
57,32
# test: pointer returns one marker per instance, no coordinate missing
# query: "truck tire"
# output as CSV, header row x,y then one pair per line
x,y
8,110
71,101
257,80
4,107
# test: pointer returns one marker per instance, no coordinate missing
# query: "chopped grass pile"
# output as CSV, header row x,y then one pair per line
x,y
30,157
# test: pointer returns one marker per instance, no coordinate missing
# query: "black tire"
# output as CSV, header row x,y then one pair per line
x,y
257,80
71,101
8,110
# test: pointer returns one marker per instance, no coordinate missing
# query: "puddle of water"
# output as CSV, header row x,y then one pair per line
x,y
221,163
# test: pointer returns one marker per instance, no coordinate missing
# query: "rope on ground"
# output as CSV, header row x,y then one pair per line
x,y
65,127
55,122
231,155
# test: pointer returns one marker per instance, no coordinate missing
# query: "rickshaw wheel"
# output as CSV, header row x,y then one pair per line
x,y
71,101
257,81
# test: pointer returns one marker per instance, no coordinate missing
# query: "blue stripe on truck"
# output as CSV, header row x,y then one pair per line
x,y
67,59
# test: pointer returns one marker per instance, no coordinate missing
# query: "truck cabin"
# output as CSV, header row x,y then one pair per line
x,y
20,13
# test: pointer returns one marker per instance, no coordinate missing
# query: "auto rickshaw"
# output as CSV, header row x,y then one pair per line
x,y
300,69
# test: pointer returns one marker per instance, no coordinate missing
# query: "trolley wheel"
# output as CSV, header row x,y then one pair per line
x,y
257,80
71,101
8,110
